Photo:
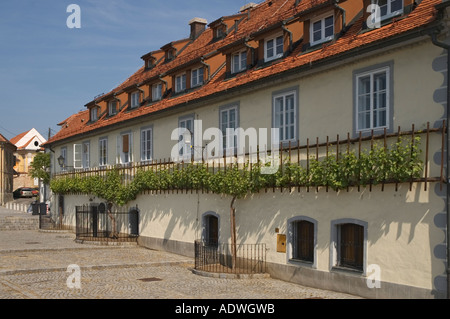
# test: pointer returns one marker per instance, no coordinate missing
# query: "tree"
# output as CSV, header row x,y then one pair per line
x,y
40,167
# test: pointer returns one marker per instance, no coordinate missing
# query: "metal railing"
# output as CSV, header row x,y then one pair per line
x,y
47,220
217,258
94,223
297,152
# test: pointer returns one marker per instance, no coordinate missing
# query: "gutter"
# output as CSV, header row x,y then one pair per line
x,y
165,83
283,26
252,52
343,15
208,67
446,47
356,52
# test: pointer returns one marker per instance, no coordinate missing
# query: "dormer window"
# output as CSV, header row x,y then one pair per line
x,y
180,83
322,29
273,48
94,114
239,62
112,108
156,92
220,32
197,77
389,8
135,99
150,63
170,54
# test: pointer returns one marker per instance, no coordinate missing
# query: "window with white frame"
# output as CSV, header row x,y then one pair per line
x,y
103,151
156,92
389,8
239,62
112,107
186,124
124,142
94,114
146,144
285,115
86,154
197,77
373,99
135,99
273,48
78,156
229,120
180,83
322,29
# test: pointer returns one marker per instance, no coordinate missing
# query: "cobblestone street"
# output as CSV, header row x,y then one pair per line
x,y
33,265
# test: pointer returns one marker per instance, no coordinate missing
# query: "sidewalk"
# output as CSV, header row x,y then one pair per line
x,y
34,264
5,212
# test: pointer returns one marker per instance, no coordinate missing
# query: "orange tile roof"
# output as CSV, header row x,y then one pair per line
x,y
17,138
4,140
262,16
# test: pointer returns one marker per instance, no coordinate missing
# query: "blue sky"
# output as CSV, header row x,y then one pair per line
x,y
49,71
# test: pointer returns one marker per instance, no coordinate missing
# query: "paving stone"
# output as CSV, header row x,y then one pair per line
x,y
34,264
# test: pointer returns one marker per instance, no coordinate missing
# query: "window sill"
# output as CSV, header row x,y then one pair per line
x,y
347,270
277,57
376,131
317,43
302,263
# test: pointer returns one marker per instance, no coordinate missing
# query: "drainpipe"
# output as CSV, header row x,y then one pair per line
x,y
202,61
283,26
142,91
343,14
446,47
252,52
165,83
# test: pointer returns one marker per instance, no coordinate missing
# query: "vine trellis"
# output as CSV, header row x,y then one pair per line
x,y
358,162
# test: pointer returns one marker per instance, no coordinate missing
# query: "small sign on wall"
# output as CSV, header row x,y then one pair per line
x,y
281,243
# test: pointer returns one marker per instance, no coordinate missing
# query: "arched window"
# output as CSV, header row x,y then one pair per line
x,y
302,238
349,244
303,241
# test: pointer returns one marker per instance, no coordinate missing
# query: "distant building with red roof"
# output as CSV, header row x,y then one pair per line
x,y
28,144
7,150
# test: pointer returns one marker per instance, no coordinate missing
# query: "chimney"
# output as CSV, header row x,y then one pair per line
x,y
248,6
198,25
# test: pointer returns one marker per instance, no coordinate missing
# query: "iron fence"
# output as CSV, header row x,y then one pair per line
x,y
295,152
218,258
95,223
